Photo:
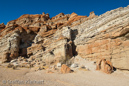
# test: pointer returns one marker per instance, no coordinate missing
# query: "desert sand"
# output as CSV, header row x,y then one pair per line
x,y
27,77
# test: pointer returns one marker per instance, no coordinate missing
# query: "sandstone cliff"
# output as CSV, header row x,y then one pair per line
x,y
105,36
57,39
39,37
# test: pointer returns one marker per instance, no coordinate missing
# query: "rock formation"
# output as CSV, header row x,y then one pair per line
x,y
55,40
105,66
65,69
105,36
2,26
37,36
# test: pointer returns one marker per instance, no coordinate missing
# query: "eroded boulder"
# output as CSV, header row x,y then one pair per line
x,y
65,69
105,66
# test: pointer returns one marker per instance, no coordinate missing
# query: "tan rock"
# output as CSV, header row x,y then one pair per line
x,y
58,16
34,29
73,15
92,15
105,66
65,69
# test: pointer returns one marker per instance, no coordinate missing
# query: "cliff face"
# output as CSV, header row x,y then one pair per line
x,y
105,36
57,39
38,37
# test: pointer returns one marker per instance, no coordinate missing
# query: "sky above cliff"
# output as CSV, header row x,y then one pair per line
x,y
12,9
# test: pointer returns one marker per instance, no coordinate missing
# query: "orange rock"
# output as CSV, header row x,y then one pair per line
x,y
59,24
87,49
58,16
98,67
76,18
65,69
19,28
2,26
73,15
102,66
34,29
105,66
32,16
92,15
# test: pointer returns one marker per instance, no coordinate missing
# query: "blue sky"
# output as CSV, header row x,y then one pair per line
x,y
12,9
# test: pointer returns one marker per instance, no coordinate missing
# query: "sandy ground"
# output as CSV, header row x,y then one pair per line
x,y
27,77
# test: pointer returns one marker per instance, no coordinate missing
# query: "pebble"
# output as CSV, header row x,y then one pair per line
x,y
74,65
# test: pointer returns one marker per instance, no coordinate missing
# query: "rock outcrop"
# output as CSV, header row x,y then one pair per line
x,y
57,39
38,37
105,36
9,46
2,26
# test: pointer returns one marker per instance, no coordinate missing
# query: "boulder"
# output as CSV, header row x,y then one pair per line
x,y
105,66
74,65
65,69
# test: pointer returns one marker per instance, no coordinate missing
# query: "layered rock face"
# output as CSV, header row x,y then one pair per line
x,y
38,37
57,39
105,36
